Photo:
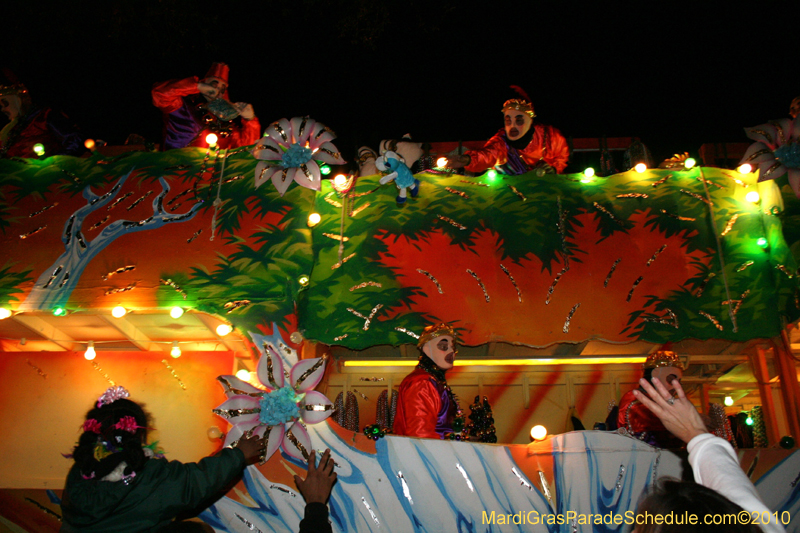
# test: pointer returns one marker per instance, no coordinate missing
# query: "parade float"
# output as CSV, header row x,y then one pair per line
x,y
163,272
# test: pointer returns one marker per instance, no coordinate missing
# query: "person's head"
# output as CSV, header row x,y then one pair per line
x,y
217,77
684,499
794,107
115,430
518,115
14,101
438,343
664,365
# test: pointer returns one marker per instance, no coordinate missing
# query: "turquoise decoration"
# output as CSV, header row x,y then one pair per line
x,y
789,155
295,156
279,407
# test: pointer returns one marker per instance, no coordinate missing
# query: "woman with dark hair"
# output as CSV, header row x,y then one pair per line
x,y
119,484
723,498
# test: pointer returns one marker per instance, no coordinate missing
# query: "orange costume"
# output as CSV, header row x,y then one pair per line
x,y
424,408
541,143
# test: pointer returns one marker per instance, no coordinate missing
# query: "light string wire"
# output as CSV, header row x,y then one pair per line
x,y
218,200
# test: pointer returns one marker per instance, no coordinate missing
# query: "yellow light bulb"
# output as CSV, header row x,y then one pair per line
x,y
243,374
640,167
690,162
538,432
441,162
313,219
175,352
118,312
340,181
224,329
211,139
90,353
745,169
4,313
752,196
176,312
728,401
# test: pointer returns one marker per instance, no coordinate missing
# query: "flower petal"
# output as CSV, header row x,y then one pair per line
x,y
267,149
265,172
281,179
270,369
328,153
296,442
239,401
301,129
236,432
769,170
757,153
308,176
232,385
306,374
319,135
280,131
766,133
275,440
794,180
320,407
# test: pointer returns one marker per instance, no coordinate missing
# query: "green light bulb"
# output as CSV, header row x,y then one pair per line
x,y
749,421
59,311
492,174
325,169
762,242
38,149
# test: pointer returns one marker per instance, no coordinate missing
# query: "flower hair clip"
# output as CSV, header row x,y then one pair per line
x,y
112,394
127,423
93,426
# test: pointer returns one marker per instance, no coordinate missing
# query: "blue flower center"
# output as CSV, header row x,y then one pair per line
x,y
279,407
295,156
789,155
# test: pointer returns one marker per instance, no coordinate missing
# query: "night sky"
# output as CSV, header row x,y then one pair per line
x,y
676,76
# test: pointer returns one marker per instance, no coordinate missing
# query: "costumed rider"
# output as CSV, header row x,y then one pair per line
x,y
521,146
193,108
636,418
426,407
30,125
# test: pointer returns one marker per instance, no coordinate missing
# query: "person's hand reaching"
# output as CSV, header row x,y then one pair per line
x,y
677,414
317,485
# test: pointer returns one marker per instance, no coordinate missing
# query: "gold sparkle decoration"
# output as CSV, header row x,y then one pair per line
x,y
759,153
359,209
677,217
121,289
270,367
785,270
668,320
451,222
713,320
98,224
697,196
362,378
552,287
105,375
173,373
575,307
474,183
322,360
230,388
513,281
170,283
44,509
545,488
744,265
38,370
633,195
364,284
703,285
341,337
434,280
194,236
227,414
519,194
662,180
343,261
560,226
729,225
414,335
607,213
118,200
611,272
139,200
42,210
234,305
462,194
635,284
293,440
361,394
483,287
120,270
737,302
336,237
367,319
709,182
34,232
650,261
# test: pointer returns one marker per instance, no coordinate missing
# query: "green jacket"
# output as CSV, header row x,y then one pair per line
x,y
152,499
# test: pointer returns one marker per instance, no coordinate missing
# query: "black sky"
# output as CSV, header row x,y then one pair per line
x,y
675,75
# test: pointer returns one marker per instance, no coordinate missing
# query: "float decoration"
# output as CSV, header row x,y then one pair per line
x,y
776,150
292,150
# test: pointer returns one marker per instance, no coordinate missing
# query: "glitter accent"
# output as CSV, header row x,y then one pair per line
x,y
744,265
229,388
655,466
772,169
310,371
174,375
283,489
669,320
406,492
452,222
611,272
474,183
545,487
466,477
236,304
336,237
371,315
729,225
785,270
759,153
709,182
712,319
354,212
227,414
120,270
194,236
737,302
42,210
297,443
633,195
662,180
365,284
635,284
318,407
412,334
560,226
34,232
766,135
565,329
44,509
621,474
361,394
608,213
343,261
118,200
650,261
521,196
483,287
462,194
341,337
519,293
703,285
234,178
38,370
434,280
521,479
98,224
105,375
362,378
375,518
139,200
270,369
697,196
121,289
249,525
553,285
277,127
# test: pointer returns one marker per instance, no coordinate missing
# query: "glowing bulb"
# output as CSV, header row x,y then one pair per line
x,y
589,172
441,162
175,352
118,312
690,162
640,167
313,219
303,280
749,420
762,242
340,182
752,196
214,432
492,174
538,432
89,144
4,313
745,169
224,329
38,149
176,312
243,374
90,353
59,311
325,169
728,401
211,139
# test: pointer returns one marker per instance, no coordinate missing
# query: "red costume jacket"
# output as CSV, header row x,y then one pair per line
x,y
643,424
184,124
547,144
424,408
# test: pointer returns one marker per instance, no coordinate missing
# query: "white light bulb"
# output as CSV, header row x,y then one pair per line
x,y
224,329
176,351
90,353
118,312
538,432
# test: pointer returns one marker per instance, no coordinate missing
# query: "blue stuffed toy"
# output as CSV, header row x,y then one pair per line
x,y
400,173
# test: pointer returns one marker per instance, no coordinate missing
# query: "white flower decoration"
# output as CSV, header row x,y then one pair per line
x,y
777,150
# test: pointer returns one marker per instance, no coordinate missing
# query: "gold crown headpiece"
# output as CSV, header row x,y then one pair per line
x,y
663,358
519,105
13,90
431,332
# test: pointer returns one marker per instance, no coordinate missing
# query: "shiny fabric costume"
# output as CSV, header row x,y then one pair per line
x,y
546,143
41,125
184,123
424,407
643,424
